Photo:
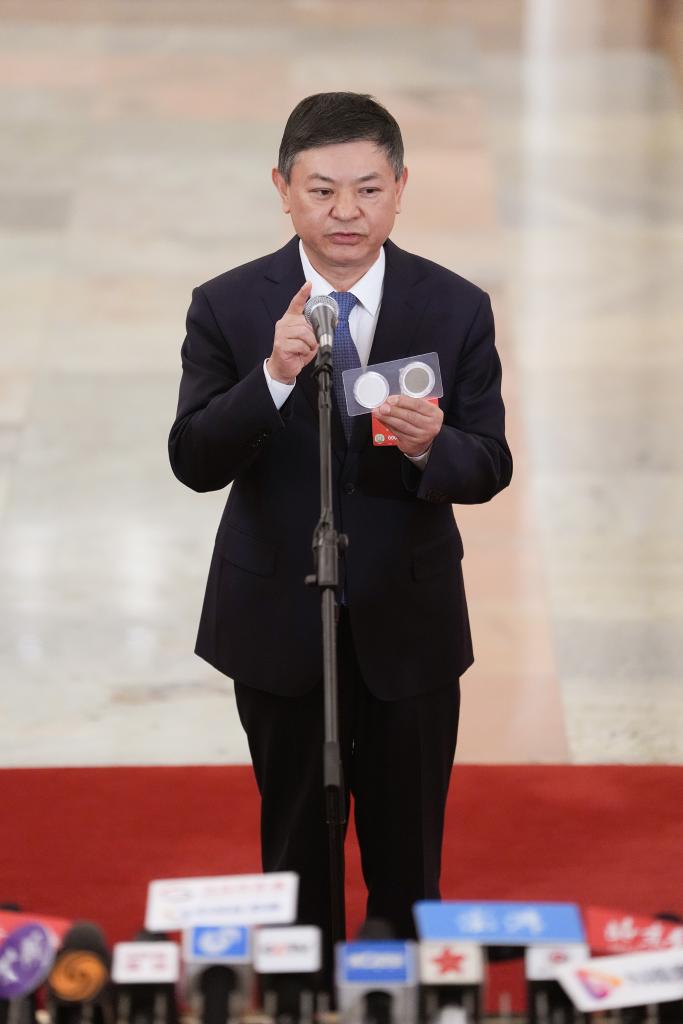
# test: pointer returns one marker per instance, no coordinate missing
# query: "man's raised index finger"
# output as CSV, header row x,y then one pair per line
x,y
297,304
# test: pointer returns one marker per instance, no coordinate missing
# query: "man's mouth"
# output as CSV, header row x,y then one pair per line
x,y
345,237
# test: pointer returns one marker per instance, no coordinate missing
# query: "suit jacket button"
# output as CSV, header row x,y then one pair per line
x,y
349,488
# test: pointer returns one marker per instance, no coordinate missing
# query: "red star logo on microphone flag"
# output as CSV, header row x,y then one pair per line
x,y
448,962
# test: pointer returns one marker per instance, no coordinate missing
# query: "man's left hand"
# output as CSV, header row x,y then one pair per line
x,y
415,421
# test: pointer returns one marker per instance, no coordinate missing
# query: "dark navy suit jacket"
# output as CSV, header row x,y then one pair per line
x,y
403,579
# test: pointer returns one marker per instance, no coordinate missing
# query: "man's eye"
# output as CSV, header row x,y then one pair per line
x,y
323,192
370,190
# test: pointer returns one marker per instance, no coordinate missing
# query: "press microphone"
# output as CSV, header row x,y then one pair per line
x,y
377,1005
218,986
322,313
78,985
377,977
452,976
670,1012
145,973
546,999
288,962
26,957
218,972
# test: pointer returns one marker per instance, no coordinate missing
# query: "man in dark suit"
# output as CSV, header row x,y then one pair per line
x,y
247,415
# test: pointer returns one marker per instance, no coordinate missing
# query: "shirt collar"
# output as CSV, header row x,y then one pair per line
x,y
368,290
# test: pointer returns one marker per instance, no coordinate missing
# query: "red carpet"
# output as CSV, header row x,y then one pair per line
x,y
84,842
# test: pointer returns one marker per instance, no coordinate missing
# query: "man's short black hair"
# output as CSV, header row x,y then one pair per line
x,y
328,118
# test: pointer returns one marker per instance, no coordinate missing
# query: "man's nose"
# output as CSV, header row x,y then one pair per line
x,y
345,206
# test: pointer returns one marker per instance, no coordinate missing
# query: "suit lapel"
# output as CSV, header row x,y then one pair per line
x,y
399,316
285,276
400,311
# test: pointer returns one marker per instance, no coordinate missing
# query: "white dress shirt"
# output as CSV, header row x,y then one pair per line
x,y
362,323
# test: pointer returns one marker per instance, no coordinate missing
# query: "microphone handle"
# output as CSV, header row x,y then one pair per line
x,y
18,1011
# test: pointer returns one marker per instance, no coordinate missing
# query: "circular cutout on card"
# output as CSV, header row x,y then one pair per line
x,y
370,389
416,380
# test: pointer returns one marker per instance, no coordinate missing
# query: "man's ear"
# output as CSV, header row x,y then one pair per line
x,y
400,185
282,188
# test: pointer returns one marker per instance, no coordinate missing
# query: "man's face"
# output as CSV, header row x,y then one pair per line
x,y
343,200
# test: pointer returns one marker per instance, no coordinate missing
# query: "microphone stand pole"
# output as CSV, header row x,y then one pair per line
x,y
327,545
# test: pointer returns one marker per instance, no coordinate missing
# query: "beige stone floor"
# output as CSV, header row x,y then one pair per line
x,y
545,146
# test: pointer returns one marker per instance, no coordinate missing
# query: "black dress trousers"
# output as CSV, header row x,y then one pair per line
x,y
397,758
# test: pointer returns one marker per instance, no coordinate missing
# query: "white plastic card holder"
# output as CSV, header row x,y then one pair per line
x,y
367,387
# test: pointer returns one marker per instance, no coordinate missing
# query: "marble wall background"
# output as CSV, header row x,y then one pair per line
x,y
546,152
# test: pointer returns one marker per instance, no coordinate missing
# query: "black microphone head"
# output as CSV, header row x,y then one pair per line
x,y
377,1007
375,929
144,935
88,936
322,313
216,984
496,954
670,916
283,993
218,980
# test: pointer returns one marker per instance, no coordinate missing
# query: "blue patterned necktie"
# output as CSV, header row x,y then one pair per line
x,y
344,354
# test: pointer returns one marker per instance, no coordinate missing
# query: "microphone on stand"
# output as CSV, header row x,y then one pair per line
x,y
322,313
378,1006
218,972
547,1001
145,973
671,1012
78,989
26,956
288,961
219,990
377,977
452,977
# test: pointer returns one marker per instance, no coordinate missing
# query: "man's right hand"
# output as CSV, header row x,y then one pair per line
x,y
294,345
